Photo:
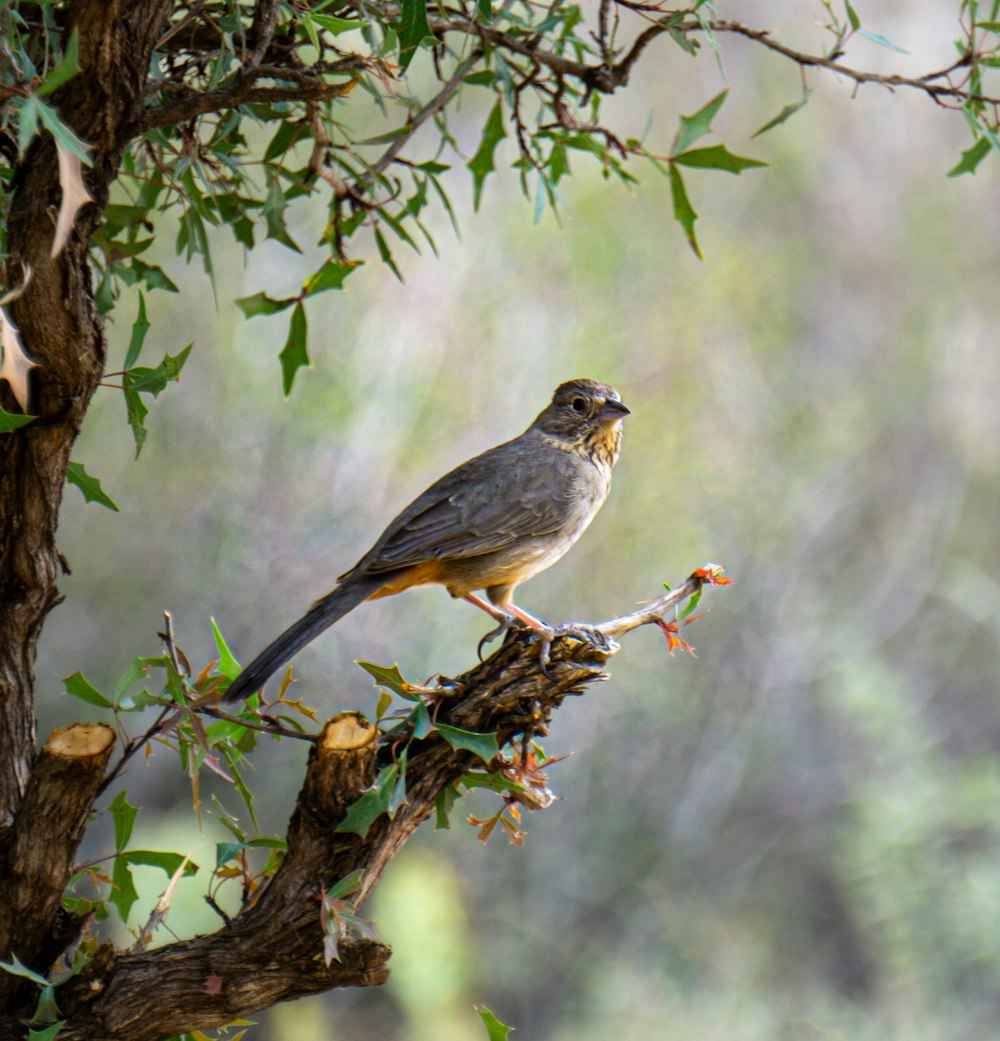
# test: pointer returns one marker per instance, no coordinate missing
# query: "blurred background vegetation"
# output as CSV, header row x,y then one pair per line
x,y
793,836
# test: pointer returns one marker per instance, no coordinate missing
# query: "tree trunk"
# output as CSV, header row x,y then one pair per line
x,y
63,334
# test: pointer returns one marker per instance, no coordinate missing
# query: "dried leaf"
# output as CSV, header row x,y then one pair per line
x,y
16,364
74,195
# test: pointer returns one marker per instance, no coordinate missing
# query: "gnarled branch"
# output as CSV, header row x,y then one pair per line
x,y
273,949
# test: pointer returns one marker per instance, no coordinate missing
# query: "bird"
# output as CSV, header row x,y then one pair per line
x,y
490,524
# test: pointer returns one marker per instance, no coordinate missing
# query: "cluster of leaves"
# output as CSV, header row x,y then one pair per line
x,y
244,119
252,107
981,47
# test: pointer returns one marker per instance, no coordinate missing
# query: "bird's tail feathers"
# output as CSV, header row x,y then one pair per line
x,y
327,610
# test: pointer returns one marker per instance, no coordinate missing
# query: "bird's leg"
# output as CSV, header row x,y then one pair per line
x,y
505,620
506,613
545,632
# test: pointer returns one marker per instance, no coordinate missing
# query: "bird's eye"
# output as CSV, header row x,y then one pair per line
x,y
579,405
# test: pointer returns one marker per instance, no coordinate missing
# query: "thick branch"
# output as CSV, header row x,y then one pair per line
x,y
41,845
273,949
303,85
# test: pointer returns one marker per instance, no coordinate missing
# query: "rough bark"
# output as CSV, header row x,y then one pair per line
x,y
38,856
63,334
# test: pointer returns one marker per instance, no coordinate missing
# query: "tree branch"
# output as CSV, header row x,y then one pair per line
x,y
243,92
39,850
273,949
607,78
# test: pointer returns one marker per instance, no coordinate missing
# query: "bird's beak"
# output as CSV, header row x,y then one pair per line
x,y
613,411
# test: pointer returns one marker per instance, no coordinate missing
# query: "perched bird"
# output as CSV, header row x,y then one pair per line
x,y
489,524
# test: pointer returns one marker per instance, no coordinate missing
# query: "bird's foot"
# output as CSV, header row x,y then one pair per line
x,y
586,634
502,628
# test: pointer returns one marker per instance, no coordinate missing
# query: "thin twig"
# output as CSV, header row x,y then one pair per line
x,y
653,611
269,727
432,108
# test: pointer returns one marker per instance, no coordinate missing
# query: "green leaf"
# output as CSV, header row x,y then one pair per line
x,y
693,127
481,164
76,474
65,137
48,1033
390,677
385,254
228,665
123,892
685,42
138,670
397,796
347,885
288,134
372,804
336,25
787,112
273,211
443,803
420,721
15,968
80,687
139,329
294,356
27,123
149,274
483,745
384,704
261,303
882,41
495,1030
971,158
227,851
167,861
413,29
684,212
66,69
852,16
690,606
135,415
718,157
123,814
494,781
11,421
330,276
152,381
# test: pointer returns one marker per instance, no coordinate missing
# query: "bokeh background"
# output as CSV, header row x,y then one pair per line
x,y
793,836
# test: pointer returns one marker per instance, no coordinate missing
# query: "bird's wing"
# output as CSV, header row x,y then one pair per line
x,y
520,489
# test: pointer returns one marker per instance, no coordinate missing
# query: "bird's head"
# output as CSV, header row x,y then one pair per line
x,y
587,415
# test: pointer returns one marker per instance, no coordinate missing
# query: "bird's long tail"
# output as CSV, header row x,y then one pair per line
x,y
327,610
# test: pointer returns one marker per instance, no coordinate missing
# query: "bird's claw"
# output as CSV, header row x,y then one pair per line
x,y
503,627
583,633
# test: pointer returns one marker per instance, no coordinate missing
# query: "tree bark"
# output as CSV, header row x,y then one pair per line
x,y
64,335
38,857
